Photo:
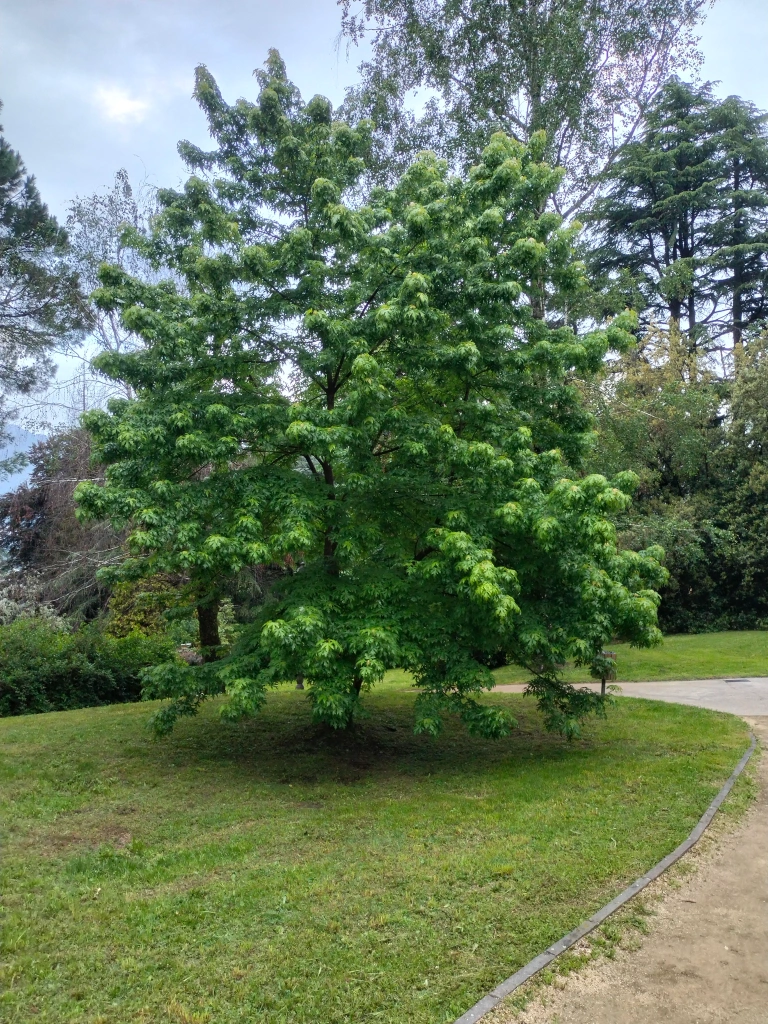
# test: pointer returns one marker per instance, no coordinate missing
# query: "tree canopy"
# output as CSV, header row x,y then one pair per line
x,y
583,71
382,399
685,215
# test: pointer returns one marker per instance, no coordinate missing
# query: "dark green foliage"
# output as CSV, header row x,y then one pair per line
x,y
381,398
43,667
682,231
138,606
40,301
698,446
685,216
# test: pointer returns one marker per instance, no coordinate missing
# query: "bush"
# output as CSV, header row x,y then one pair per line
x,y
45,668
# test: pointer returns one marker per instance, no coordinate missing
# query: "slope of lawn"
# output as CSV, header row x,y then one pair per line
x,y
270,872
685,656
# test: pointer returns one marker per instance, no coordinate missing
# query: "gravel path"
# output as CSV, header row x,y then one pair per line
x,y
705,960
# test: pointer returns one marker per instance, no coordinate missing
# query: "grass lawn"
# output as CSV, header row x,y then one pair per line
x,y
268,872
687,656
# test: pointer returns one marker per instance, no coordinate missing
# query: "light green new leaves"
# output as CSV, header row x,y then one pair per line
x,y
379,399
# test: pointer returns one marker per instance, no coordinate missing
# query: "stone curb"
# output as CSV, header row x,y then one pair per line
x,y
492,1000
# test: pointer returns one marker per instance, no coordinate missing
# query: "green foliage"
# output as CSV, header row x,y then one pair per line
x,y
685,214
582,71
382,399
683,226
43,667
138,606
697,445
40,301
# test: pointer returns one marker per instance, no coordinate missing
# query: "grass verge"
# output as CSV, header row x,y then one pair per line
x,y
687,656
268,871
625,931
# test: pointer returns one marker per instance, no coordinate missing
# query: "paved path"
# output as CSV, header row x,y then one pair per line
x,y
706,958
740,696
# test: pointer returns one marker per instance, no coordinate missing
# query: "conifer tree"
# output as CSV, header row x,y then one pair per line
x,y
40,302
380,397
685,215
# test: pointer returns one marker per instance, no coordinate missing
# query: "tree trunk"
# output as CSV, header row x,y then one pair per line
x,y
737,311
208,630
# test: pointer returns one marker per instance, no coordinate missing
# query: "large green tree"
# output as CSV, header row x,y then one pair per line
x,y
583,71
383,399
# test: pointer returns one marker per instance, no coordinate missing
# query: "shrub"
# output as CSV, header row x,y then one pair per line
x,y
139,606
46,668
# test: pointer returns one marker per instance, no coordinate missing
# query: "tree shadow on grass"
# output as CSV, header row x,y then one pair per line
x,y
283,745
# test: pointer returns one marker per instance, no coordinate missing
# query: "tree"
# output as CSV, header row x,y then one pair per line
x,y
685,215
95,226
376,397
740,232
40,302
583,71
660,416
47,552
698,447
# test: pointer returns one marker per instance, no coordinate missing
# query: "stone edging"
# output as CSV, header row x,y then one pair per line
x,y
492,1000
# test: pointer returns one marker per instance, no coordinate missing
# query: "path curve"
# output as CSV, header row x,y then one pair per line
x,y
742,696
706,959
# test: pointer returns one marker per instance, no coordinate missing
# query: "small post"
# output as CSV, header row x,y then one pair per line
x,y
609,671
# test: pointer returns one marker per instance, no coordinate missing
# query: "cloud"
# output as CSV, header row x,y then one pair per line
x,y
116,104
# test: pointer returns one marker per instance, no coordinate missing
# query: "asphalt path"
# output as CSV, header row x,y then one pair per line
x,y
741,696
706,958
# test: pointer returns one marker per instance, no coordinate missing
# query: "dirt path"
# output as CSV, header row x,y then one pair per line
x,y
705,960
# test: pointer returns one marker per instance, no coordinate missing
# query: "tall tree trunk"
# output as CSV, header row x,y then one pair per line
x,y
737,308
208,630
693,341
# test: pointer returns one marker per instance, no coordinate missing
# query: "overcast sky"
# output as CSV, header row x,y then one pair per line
x,y
89,86
93,85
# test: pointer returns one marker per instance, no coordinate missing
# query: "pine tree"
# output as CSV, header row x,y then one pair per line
x,y
685,215
40,302
378,398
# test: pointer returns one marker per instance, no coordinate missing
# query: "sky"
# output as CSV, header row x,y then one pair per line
x,y
90,86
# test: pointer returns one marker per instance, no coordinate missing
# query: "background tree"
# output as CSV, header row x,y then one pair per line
x,y
583,71
378,395
96,226
40,302
685,217
697,445
47,553
682,232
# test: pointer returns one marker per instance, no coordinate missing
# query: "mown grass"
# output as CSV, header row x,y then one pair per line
x,y
688,656
270,872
